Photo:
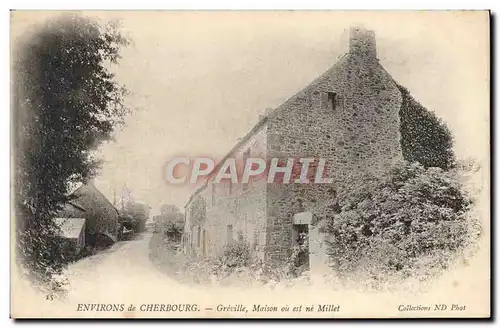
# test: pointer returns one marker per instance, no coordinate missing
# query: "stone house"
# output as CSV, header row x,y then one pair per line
x,y
348,116
102,222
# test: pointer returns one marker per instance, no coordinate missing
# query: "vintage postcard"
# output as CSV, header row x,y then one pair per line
x,y
250,164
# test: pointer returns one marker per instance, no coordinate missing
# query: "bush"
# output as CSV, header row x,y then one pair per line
x,y
194,270
299,259
235,255
173,230
235,266
388,226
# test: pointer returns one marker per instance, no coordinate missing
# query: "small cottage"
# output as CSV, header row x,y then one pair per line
x,y
102,220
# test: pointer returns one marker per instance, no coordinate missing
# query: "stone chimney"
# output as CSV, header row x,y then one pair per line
x,y
362,42
265,114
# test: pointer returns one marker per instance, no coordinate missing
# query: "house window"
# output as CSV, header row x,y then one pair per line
x,y
198,235
332,100
230,234
246,155
204,244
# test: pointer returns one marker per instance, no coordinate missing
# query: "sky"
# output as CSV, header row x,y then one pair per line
x,y
199,80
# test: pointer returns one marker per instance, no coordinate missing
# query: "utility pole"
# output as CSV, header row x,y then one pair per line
x,y
121,195
114,197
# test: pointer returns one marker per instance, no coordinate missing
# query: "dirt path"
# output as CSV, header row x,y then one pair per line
x,y
119,274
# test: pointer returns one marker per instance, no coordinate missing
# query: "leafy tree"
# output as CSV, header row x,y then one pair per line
x,y
173,230
424,137
235,255
66,103
139,213
390,224
170,222
168,208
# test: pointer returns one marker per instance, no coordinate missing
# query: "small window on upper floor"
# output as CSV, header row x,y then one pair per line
x,y
332,100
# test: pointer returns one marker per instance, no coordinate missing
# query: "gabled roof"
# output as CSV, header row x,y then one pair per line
x,y
91,186
70,227
272,114
72,203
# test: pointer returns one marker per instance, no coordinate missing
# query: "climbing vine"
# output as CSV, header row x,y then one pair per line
x,y
424,137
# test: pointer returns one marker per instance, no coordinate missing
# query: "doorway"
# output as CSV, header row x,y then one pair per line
x,y
300,243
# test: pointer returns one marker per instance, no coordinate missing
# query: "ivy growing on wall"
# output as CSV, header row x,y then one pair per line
x,y
424,137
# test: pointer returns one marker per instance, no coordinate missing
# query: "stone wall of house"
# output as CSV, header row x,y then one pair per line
x,y
231,209
357,133
348,116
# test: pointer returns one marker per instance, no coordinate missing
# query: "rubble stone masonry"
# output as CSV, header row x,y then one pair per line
x,y
348,116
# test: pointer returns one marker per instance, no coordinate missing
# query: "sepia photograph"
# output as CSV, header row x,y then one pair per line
x,y
250,164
